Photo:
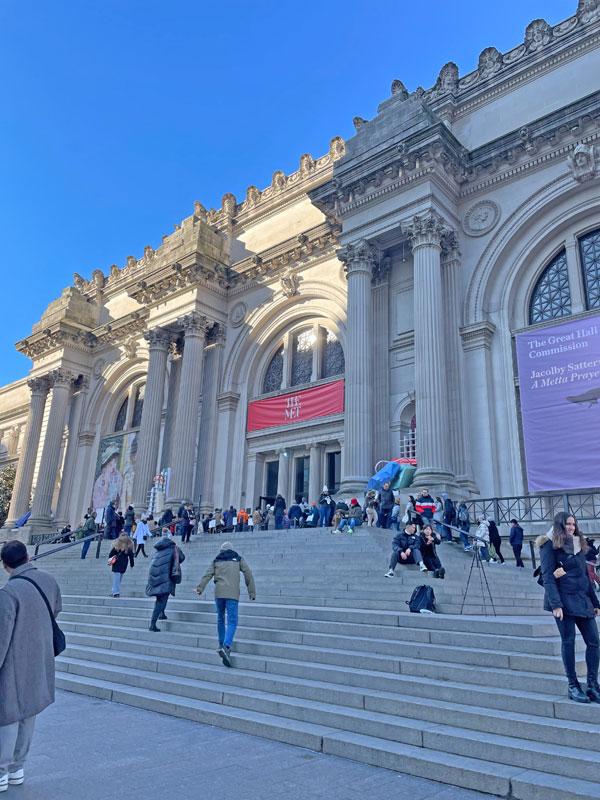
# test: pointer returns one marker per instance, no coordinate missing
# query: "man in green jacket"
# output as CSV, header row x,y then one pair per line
x,y
225,570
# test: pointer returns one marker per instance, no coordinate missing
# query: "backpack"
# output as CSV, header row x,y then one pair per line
x,y
463,515
422,600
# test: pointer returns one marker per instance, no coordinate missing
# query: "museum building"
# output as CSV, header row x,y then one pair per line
x,y
364,307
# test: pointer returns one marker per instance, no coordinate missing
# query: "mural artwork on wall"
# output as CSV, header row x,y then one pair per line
x,y
115,469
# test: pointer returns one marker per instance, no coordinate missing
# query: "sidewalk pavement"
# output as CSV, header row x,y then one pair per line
x,y
98,750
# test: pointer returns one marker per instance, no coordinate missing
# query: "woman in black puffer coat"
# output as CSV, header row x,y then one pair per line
x,y
160,578
570,596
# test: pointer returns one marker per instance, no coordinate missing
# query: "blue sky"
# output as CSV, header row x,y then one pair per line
x,y
116,115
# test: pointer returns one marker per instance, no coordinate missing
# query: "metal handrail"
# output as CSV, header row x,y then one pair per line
x,y
90,538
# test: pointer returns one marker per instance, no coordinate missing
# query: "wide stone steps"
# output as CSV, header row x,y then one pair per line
x,y
465,771
329,658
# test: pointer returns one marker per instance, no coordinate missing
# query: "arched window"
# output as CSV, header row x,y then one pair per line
x,y
589,248
122,417
302,357
333,356
274,374
138,404
552,296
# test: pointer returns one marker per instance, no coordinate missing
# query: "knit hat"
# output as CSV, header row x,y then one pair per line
x,y
354,502
226,546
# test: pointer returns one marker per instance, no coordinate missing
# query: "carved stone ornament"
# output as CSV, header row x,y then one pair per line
x,y
359,256
98,368
537,35
157,338
61,377
195,324
426,230
290,284
252,195
582,163
278,181
588,11
447,81
228,204
307,164
481,218
237,315
337,148
38,385
130,348
490,62
398,88
358,122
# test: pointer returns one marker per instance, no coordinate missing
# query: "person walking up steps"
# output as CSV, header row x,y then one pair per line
x,y
516,541
141,535
225,570
118,558
164,575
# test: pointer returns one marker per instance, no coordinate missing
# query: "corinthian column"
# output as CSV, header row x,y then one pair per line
x,y
357,464
41,509
314,473
149,435
431,385
21,495
68,482
185,437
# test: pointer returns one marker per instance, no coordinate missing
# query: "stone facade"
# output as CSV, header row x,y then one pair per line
x,y
416,247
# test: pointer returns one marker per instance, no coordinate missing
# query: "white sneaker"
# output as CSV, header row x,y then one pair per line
x,y
422,567
16,778
389,574
4,783
492,561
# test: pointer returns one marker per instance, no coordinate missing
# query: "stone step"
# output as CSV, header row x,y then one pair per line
x,y
176,662
466,772
253,626
250,640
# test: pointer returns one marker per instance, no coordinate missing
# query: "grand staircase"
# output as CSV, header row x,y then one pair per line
x,y
329,658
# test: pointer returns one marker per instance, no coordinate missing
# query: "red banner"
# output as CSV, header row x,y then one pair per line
x,y
292,407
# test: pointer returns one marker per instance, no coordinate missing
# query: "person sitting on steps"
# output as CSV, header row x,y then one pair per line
x,y
406,550
429,539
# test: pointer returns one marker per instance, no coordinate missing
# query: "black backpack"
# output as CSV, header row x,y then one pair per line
x,y
422,600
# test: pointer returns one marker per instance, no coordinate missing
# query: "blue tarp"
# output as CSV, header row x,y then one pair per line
x,y
387,473
22,520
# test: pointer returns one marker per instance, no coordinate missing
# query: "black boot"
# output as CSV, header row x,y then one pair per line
x,y
436,573
442,573
576,694
162,616
593,691
153,628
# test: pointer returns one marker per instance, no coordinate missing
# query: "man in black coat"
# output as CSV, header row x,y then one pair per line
x,y
386,503
278,511
516,541
161,577
406,550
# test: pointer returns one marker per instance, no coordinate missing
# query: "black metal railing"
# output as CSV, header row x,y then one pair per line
x,y
537,507
93,536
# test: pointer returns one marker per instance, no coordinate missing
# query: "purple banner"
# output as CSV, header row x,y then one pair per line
x,y
559,381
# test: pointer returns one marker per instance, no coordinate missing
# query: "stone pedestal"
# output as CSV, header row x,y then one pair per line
x,y
21,495
431,385
359,260
187,420
149,435
41,509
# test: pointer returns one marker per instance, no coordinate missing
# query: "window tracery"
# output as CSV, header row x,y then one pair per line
x,y
551,297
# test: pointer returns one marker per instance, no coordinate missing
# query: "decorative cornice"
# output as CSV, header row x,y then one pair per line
x,y
177,277
289,255
122,329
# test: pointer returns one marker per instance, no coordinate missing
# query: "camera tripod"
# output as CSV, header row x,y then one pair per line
x,y
477,562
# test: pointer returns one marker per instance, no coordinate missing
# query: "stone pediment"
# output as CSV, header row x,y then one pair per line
x,y
71,307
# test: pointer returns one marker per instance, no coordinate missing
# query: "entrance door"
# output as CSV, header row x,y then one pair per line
x,y
272,476
333,471
301,475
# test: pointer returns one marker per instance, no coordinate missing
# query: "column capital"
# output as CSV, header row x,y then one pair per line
x,y
381,271
158,338
194,324
450,248
360,256
39,386
427,230
61,378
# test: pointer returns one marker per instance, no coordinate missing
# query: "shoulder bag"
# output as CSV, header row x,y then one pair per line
x,y
58,638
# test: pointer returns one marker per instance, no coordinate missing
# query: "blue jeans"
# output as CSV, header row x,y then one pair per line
x,y
484,553
351,522
278,522
230,607
384,517
323,516
116,582
85,548
464,537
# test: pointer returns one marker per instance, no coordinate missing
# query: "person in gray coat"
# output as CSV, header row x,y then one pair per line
x,y
26,657
161,583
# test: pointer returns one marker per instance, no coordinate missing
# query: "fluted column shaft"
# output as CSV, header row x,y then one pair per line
x,y
42,502
283,475
433,456
185,436
149,435
314,473
357,464
67,482
21,495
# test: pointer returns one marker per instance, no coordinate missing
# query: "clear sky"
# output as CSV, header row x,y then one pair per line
x,y
116,115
